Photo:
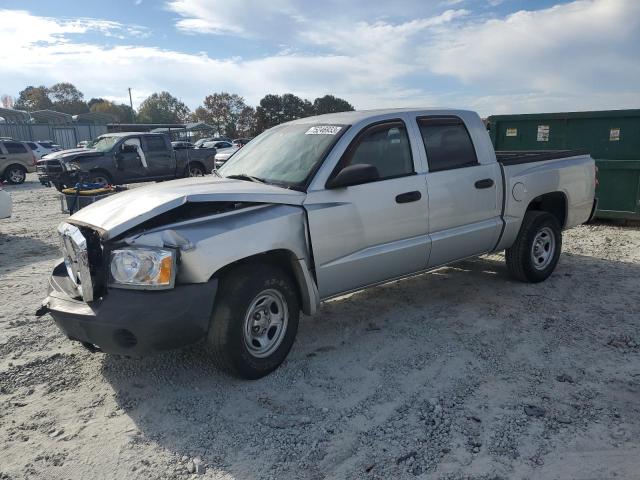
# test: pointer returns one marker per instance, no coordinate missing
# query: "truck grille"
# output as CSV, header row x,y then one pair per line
x,y
76,259
49,166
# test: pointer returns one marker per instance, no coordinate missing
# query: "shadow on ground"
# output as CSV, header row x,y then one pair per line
x,y
352,348
17,251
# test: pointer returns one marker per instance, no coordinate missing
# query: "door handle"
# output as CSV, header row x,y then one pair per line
x,y
484,183
408,197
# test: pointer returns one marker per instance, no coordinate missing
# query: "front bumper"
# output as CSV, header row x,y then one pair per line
x,y
132,322
50,171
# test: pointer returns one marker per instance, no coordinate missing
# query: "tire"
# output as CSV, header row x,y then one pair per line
x,y
535,253
98,176
15,174
196,170
239,333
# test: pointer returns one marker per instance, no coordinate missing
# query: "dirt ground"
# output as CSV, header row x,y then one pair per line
x,y
458,374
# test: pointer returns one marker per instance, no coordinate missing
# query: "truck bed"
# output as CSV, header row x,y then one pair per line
x,y
517,157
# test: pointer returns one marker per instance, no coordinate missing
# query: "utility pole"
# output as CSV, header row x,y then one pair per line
x,y
131,105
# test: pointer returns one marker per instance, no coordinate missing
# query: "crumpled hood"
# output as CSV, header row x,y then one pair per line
x,y
72,154
117,214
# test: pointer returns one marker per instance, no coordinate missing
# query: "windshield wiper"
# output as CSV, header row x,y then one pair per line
x,y
244,176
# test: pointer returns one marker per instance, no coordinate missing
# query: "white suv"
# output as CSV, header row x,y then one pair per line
x,y
42,147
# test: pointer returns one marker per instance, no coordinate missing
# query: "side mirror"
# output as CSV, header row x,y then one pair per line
x,y
354,175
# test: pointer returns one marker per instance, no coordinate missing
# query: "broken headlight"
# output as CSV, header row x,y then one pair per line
x,y
143,268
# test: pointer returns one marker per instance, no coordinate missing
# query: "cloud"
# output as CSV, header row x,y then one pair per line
x,y
577,47
579,55
248,18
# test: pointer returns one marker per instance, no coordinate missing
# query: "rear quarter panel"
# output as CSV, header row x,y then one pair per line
x,y
574,177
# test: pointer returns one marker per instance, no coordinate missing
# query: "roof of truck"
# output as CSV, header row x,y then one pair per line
x,y
359,115
128,134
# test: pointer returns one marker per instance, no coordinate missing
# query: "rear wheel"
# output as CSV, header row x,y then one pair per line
x,y
254,320
196,170
536,251
15,174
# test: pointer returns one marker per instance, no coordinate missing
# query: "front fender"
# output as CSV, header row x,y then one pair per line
x,y
209,244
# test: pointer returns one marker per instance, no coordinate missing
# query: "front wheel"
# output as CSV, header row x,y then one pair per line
x,y
536,251
254,320
101,178
15,174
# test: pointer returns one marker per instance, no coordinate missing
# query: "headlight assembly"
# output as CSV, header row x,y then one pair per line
x,y
143,268
72,166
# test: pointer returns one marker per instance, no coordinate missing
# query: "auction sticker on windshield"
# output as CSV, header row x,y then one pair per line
x,y
323,130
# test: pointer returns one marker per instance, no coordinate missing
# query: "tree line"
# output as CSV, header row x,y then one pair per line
x,y
227,112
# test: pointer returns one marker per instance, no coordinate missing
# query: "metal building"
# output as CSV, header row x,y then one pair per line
x,y
61,128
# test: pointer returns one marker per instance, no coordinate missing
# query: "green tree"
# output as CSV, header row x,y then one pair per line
x,y
246,125
162,108
223,111
276,109
95,100
120,112
331,104
66,98
33,98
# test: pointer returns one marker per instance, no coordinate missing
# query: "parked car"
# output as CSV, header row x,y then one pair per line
x,y
16,160
42,147
6,204
217,144
309,210
202,141
241,142
122,158
181,145
224,154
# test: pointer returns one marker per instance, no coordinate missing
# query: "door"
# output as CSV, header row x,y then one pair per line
x,y
159,156
370,232
464,199
131,161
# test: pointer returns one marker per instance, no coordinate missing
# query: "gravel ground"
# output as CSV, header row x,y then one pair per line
x,y
458,374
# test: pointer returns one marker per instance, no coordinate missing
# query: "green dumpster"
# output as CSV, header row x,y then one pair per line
x,y
612,137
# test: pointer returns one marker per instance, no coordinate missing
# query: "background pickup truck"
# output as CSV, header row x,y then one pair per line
x,y
307,211
121,158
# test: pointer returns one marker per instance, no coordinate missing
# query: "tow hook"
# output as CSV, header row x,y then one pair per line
x,y
43,310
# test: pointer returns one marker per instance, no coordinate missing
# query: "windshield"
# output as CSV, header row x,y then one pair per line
x,y
287,154
104,144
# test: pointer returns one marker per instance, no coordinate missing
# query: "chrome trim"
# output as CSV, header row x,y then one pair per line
x,y
76,259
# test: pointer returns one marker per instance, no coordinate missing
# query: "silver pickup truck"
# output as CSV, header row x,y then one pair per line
x,y
309,210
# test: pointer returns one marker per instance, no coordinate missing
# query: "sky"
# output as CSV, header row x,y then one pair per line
x,y
493,56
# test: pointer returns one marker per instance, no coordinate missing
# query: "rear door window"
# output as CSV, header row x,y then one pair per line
x,y
447,143
15,147
155,144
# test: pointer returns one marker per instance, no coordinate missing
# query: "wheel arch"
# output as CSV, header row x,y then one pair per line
x,y
555,203
102,171
197,163
295,267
